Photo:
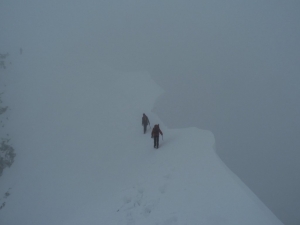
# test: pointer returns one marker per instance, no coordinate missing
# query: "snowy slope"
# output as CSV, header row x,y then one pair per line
x,y
82,157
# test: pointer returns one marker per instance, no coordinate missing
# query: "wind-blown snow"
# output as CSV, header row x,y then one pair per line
x,y
82,157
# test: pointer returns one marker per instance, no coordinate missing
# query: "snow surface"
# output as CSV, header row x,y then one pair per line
x,y
82,157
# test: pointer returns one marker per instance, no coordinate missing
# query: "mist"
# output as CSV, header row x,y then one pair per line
x,y
229,67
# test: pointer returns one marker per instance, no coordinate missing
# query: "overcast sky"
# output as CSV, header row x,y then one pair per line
x,y
231,67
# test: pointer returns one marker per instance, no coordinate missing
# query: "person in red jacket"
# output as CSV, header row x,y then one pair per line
x,y
155,135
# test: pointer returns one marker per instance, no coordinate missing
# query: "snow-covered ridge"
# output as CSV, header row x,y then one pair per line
x,y
83,158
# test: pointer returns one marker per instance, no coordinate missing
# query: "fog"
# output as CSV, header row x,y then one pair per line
x,y
228,67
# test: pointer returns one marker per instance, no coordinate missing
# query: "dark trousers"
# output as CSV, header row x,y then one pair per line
x,y
156,141
145,128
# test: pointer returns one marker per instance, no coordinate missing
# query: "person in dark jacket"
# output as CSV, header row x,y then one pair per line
x,y
145,122
155,135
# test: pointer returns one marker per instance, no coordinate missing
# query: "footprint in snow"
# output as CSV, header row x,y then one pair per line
x,y
149,208
163,188
171,221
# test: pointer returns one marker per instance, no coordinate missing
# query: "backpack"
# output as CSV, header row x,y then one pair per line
x,y
155,130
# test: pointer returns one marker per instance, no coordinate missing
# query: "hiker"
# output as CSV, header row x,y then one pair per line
x,y
155,135
145,122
